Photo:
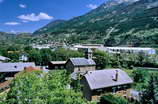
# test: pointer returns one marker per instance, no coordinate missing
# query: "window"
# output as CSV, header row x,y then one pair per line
x,y
114,89
56,67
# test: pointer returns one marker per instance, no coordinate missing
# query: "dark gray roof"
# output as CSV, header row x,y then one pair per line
x,y
2,58
82,62
105,78
14,67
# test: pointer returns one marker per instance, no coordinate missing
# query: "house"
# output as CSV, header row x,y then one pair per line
x,y
2,59
80,65
8,70
23,57
56,65
96,83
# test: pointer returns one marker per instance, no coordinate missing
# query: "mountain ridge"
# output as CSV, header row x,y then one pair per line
x,y
121,24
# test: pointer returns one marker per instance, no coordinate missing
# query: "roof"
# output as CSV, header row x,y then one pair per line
x,y
58,62
131,48
2,58
88,46
14,67
105,78
82,62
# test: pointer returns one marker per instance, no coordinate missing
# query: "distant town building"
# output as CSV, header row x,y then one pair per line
x,y
44,46
137,50
56,65
96,83
87,46
80,65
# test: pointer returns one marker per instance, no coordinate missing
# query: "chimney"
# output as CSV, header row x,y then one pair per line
x,y
116,76
88,53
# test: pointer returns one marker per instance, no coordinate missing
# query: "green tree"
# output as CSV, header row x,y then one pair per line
x,y
102,59
35,56
150,94
113,99
46,55
43,88
138,76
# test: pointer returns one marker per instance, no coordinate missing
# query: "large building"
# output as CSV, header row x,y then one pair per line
x,y
80,65
81,47
137,50
96,83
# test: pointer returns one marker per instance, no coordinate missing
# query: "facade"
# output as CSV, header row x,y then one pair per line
x,y
96,83
56,65
80,65
10,69
146,51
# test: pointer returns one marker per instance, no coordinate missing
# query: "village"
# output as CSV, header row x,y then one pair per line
x,y
95,81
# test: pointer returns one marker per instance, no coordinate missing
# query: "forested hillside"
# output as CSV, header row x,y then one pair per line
x,y
117,22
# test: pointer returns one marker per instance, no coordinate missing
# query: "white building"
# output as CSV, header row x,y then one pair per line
x,y
137,50
87,46
23,57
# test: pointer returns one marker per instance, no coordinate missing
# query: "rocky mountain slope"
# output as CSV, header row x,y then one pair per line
x,y
117,22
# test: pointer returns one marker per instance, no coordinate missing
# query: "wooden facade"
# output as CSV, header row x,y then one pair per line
x,y
56,65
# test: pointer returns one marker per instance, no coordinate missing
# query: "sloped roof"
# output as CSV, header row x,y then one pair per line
x,y
2,58
82,62
105,78
14,67
58,62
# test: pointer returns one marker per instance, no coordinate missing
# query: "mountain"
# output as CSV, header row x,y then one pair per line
x,y
114,23
19,38
49,26
5,36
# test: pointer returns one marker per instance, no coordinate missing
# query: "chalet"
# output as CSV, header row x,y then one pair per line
x,y
80,65
8,70
56,65
96,83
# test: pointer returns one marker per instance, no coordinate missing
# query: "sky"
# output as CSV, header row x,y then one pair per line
x,y
30,15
